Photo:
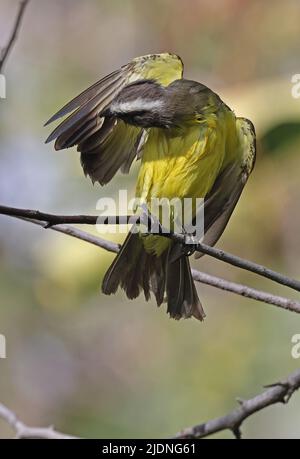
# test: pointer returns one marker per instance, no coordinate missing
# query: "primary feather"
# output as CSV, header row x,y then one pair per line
x,y
85,122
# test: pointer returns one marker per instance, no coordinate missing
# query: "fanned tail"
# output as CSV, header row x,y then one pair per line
x,y
136,271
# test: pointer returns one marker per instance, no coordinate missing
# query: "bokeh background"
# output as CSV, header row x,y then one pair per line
x,y
99,366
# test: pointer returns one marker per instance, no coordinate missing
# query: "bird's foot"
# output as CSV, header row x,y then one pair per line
x,y
190,245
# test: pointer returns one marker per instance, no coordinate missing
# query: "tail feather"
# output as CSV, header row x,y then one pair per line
x,y
183,300
135,270
121,271
158,278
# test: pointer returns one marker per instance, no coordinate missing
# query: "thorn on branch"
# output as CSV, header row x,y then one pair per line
x,y
240,401
48,225
237,432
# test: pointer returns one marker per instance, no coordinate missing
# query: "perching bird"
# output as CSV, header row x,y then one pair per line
x,y
191,145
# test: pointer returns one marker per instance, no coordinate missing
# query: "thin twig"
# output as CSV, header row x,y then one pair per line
x,y
276,393
204,278
53,219
14,34
24,431
247,292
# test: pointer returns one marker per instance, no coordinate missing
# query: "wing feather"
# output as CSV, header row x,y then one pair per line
x,y
90,109
117,150
84,127
85,96
221,201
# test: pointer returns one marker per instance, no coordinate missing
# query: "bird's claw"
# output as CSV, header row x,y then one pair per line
x,y
190,245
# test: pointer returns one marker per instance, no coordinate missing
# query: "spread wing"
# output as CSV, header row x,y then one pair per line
x,y
109,145
222,199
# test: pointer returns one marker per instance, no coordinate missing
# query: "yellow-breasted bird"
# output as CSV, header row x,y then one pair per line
x,y
191,145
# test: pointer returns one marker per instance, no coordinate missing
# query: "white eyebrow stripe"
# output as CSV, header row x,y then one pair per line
x,y
136,105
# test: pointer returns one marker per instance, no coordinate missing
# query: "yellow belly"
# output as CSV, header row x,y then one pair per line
x,y
181,166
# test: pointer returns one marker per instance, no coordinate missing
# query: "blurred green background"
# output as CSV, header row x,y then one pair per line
x,y
104,366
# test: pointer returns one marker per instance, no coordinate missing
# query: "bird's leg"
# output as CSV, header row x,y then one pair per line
x,y
150,223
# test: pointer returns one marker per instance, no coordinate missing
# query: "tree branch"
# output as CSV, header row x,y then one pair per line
x,y
279,392
198,276
23,431
14,34
52,219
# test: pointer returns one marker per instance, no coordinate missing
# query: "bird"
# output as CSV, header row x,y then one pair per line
x,y
190,145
